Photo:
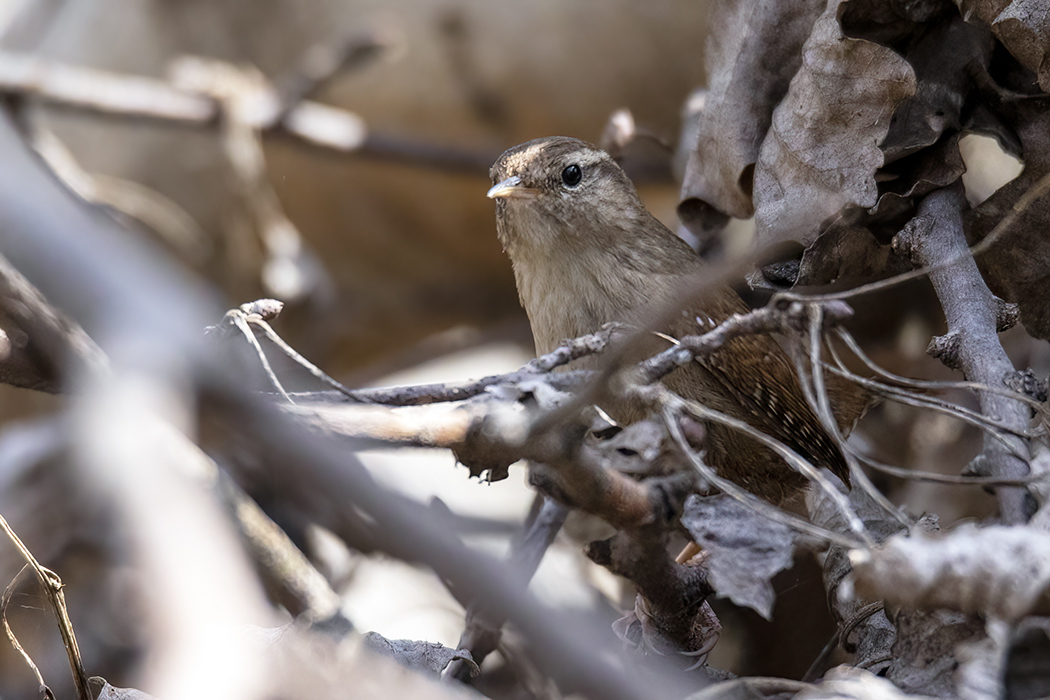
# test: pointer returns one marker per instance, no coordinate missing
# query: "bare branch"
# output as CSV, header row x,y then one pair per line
x,y
935,239
302,589
673,595
331,484
997,571
423,394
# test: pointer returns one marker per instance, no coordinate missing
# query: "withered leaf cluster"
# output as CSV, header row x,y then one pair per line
x,y
829,123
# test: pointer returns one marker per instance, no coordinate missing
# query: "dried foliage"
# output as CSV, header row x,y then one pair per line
x,y
743,550
187,468
822,150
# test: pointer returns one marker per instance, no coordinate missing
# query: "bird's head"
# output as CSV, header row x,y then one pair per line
x,y
563,193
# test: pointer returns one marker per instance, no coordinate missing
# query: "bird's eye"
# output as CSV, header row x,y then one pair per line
x,y
572,175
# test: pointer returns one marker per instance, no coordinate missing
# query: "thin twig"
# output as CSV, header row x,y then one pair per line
x,y
820,401
424,394
979,420
793,459
52,586
481,633
5,600
301,588
288,350
1037,190
257,313
767,319
950,479
767,510
851,342
817,667
239,321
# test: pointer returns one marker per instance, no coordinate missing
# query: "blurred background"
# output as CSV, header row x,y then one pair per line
x,y
385,254
397,245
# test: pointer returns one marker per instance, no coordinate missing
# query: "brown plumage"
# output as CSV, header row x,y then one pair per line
x,y
586,252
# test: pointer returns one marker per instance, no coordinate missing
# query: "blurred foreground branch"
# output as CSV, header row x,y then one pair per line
x,y
40,347
148,318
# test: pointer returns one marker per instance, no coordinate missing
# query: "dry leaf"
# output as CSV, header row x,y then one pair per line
x,y
845,255
750,61
1022,25
744,549
943,57
102,690
822,151
923,656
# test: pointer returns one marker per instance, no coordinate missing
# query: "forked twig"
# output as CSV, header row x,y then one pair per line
x,y
672,406
855,348
816,394
1038,406
52,586
794,460
5,600
292,353
423,394
893,393
239,320
978,420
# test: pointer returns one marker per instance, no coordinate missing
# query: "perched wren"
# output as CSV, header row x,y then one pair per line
x,y
586,252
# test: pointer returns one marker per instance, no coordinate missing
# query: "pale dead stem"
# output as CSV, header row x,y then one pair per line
x,y
815,390
52,586
5,600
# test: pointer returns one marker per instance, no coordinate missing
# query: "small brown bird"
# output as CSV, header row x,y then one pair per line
x,y
586,252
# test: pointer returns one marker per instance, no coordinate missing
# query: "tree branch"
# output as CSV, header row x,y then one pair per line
x,y
934,238
136,97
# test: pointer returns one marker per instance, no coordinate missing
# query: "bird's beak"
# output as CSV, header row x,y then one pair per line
x,y
511,187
